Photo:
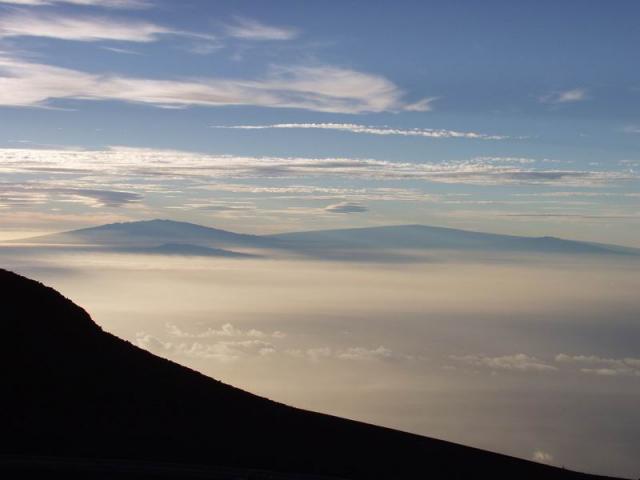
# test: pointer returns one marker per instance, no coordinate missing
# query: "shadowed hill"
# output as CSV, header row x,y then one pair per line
x,y
152,233
422,237
74,391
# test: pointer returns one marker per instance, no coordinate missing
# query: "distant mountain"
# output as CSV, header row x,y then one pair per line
x,y
389,243
80,403
152,233
421,237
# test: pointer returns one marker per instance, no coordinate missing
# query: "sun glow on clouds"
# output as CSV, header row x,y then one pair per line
x,y
46,186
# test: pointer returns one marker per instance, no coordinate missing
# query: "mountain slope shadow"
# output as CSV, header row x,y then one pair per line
x,y
75,391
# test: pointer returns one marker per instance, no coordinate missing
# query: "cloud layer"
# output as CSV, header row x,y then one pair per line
x,y
517,362
145,162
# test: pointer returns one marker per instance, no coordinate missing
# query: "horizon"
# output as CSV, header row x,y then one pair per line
x,y
169,220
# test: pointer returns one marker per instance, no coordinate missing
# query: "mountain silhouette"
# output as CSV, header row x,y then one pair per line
x,y
422,237
152,233
79,402
369,243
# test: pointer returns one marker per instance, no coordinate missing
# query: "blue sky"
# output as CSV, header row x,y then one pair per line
x,y
516,117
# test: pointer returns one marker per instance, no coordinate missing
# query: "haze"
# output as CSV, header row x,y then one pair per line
x,y
540,361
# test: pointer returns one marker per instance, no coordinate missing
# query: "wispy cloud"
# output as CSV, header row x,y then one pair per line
x,y
323,88
370,130
315,192
607,367
124,51
15,195
423,105
566,96
204,47
364,354
250,29
121,4
80,28
634,129
572,216
317,354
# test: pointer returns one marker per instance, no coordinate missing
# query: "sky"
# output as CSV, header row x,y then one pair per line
x,y
514,117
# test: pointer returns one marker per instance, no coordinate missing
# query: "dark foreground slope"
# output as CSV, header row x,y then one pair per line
x,y
78,399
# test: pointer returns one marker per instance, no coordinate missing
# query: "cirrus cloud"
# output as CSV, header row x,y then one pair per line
x,y
318,88
120,4
78,28
565,96
250,29
370,130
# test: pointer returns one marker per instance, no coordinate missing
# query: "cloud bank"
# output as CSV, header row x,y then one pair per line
x,y
145,162
79,28
517,362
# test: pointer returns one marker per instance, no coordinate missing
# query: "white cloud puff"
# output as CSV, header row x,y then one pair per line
x,y
224,351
